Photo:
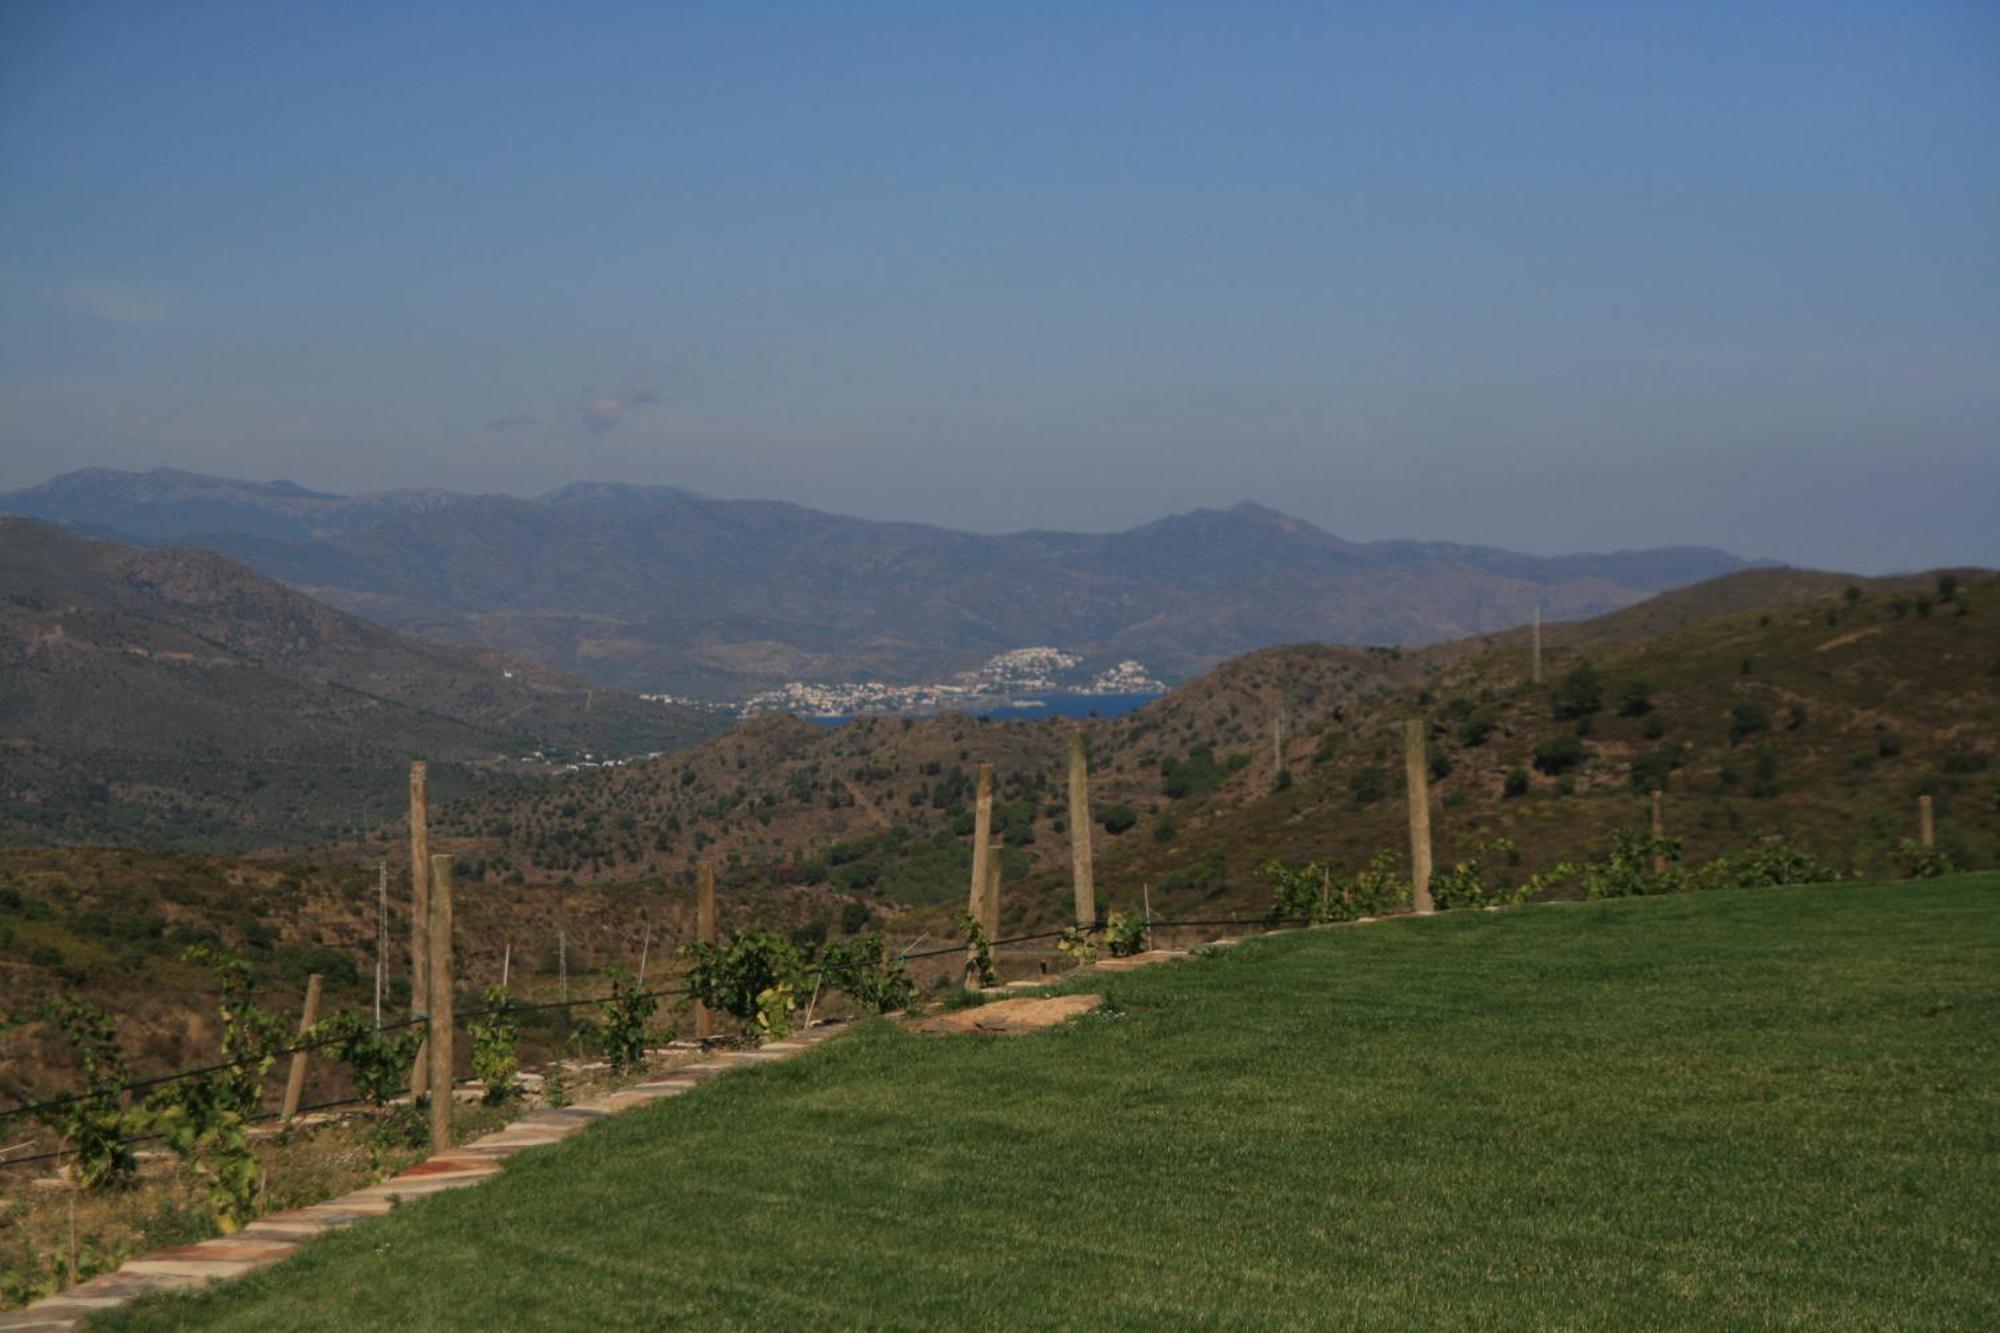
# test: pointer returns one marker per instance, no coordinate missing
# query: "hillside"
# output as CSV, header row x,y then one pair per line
x,y
173,697
829,829
1753,1108
112,925
659,589
1848,710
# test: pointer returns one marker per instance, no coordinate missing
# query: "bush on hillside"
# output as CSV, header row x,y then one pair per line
x,y
1747,720
1559,754
1578,694
1477,726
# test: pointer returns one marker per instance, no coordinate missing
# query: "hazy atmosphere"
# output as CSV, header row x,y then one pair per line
x,y
872,665
1556,277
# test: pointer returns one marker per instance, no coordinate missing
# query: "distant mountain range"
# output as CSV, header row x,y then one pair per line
x,y
660,589
174,697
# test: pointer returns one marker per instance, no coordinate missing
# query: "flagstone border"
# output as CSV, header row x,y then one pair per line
x,y
274,1237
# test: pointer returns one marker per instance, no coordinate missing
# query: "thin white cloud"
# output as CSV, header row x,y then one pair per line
x,y
599,412
602,412
119,302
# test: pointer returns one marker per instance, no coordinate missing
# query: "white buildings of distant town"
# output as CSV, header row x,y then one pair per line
x,y
1013,679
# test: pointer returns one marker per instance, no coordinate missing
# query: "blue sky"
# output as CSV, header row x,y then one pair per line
x,y
1548,276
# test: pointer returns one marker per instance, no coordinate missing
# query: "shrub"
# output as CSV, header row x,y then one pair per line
x,y
205,1119
1764,782
1477,726
496,1040
1368,785
1559,754
1193,776
1516,783
1921,862
1637,701
1311,891
1626,870
1578,694
1652,770
1440,765
1748,719
1116,819
1125,934
1764,865
979,951
92,1127
863,967
623,1027
1463,883
754,978
378,1062
1078,945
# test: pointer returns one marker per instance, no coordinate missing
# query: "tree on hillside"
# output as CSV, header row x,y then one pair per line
x,y
1578,694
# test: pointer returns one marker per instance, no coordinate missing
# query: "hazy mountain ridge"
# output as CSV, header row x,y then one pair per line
x,y
659,588
175,696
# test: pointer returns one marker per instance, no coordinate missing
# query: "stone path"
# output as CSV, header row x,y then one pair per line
x,y
276,1235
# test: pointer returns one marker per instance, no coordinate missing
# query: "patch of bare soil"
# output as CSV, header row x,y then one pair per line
x,y
1011,1018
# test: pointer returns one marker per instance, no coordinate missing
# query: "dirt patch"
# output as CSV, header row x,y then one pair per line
x,y
1011,1018
1130,961
1842,640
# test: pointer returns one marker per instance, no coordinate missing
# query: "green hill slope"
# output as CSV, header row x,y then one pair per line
x,y
1754,1108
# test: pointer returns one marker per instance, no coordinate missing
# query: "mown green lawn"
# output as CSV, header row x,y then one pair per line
x,y
1767,1107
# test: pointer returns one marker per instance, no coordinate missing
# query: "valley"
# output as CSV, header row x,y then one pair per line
x,y
660,590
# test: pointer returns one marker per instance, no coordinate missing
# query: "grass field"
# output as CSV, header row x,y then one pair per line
x,y
1756,1108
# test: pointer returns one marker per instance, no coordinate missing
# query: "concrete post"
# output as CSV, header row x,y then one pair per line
x,y
704,930
295,1084
982,833
989,919
1079,831
420,912
439,1039
1415,764
381,938
1926,823
1659,832
1535,671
